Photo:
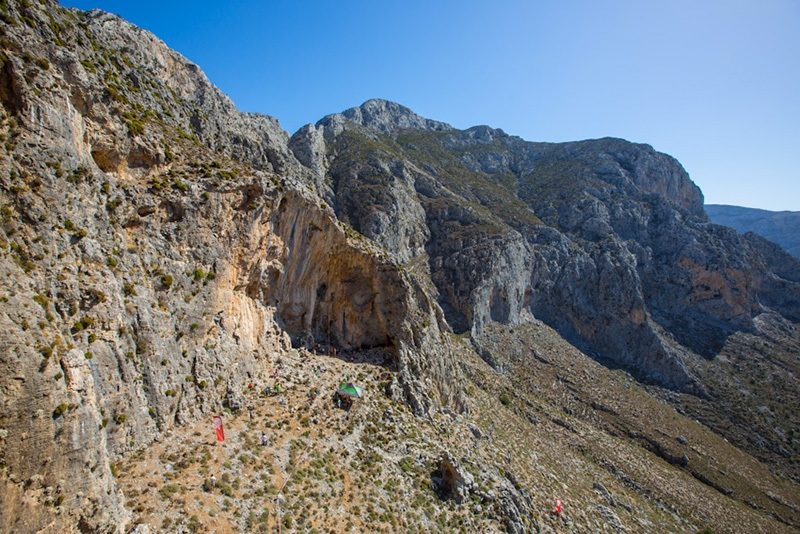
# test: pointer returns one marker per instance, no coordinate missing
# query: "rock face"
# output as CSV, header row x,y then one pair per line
x,y
512,504
781,227
160,251
605,240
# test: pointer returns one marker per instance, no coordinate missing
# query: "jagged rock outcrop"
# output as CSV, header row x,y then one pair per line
x,y
512,505
455,482
381,116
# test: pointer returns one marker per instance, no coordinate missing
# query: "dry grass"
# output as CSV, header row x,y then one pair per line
x,y
568,428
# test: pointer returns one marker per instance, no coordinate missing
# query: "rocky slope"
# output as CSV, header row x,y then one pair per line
x,y
781,227
163,252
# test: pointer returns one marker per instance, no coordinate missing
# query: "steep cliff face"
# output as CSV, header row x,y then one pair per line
x,y
605,240
160,252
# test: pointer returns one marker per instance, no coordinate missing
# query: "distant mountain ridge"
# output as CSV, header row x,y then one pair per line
x,y
781,227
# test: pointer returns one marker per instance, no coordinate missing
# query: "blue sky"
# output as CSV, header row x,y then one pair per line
x,y
714,83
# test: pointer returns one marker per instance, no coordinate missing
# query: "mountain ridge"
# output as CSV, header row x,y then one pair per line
x,y
782,227
167,257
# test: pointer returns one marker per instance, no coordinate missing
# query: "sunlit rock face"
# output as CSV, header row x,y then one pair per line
x,y
161,251
605,240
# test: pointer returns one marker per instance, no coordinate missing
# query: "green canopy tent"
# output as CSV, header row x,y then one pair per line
x,y
348,389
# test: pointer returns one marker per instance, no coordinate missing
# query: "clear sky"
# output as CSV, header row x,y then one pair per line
x,y
714,83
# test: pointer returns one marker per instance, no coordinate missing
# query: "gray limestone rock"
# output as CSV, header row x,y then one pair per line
x,y
601,489
382,116
172,248
456,482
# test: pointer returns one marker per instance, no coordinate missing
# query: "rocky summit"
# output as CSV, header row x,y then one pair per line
x,y
527,322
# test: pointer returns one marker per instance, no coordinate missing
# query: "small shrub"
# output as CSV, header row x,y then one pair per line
x,y
505,400
169,490
135,126
92,338
120,418
129,290
60,410
407,464
166,281
112,205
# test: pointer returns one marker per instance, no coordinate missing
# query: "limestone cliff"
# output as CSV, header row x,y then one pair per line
x,y
605,240
160,252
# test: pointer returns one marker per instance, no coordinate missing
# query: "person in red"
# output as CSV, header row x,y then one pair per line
x,y
558,507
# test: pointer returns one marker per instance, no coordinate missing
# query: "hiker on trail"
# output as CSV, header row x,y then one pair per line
x,y
263,439
558,507
266,391
213,480
277,389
